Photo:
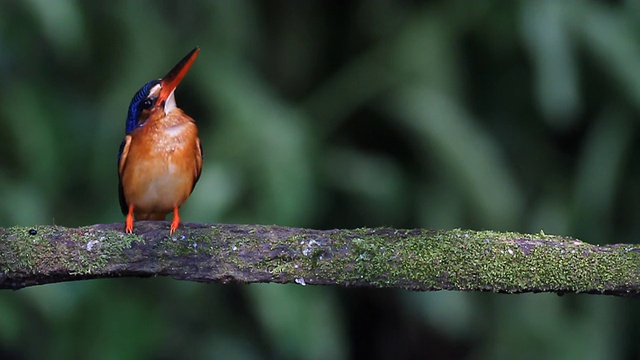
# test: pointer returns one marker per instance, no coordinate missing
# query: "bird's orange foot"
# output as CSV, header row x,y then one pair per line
x,y
129,222
175,222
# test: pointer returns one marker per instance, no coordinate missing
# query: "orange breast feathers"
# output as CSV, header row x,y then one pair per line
x,y
160,164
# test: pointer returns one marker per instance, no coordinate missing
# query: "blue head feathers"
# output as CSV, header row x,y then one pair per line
x,y
136,106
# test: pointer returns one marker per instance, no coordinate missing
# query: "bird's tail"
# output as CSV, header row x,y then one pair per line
x,y
152,216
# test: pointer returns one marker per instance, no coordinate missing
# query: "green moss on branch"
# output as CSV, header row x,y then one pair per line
x,y
412,259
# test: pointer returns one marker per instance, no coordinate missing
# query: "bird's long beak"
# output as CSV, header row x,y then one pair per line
x,y
170,81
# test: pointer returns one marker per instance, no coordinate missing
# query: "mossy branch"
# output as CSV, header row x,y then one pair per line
x,y
410,259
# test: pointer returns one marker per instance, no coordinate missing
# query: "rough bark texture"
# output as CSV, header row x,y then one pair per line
x,y
410,259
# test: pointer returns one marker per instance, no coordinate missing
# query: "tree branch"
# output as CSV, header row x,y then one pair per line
x,y
410,259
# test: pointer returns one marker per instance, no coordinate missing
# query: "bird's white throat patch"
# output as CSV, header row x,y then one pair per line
x,y
170,103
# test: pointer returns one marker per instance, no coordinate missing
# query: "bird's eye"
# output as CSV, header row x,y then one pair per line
x,y
146,105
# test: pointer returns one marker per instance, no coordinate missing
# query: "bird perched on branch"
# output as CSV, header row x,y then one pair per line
x,y
160,158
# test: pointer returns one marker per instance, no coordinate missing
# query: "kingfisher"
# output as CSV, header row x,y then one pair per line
x,y
160,158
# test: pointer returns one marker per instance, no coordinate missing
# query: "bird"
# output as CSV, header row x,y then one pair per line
x,y
160,158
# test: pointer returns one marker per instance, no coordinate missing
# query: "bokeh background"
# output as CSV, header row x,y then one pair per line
x,y
502,115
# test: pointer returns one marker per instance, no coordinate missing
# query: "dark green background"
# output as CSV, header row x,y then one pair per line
x,y
502,115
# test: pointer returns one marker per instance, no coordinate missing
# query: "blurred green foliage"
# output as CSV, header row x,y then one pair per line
x,y
518,115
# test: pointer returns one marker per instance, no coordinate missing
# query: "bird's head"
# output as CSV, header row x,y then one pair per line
x,y
157,95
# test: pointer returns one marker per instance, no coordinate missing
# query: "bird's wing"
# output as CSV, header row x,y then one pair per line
x,y
199,156
122,159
